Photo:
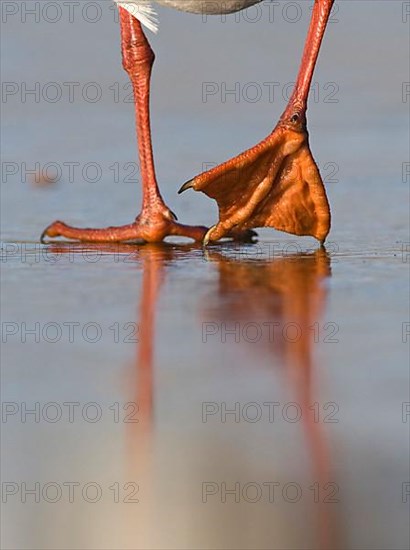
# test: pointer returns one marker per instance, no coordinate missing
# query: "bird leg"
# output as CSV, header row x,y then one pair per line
x,y
156,221
276,183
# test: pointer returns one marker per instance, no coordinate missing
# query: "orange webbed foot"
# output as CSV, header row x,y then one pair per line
x,y
274,184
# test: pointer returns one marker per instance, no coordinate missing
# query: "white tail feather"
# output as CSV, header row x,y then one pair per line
x,y
143,11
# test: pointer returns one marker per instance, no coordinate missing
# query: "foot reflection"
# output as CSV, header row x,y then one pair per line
x,y
288,294
287,297
282,292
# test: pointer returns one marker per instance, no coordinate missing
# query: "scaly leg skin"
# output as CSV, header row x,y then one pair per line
x,y
156,221
276,183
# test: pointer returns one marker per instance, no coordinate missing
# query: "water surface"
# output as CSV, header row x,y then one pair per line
x,y
307,346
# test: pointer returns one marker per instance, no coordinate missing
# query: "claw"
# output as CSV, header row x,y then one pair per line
x,y
52,230
43,234
208,235
187,185
46,232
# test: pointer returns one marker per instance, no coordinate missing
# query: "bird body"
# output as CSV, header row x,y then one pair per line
x,y
208,7
145,13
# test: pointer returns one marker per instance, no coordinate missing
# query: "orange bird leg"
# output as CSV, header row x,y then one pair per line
x,y
156,221
276,183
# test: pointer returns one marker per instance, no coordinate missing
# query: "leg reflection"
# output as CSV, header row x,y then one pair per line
x,y
287,292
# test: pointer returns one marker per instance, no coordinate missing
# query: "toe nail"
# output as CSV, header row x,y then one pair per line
x,y
187,185
208,236
43,235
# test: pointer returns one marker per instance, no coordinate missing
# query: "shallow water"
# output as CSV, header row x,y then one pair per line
x,y
153,346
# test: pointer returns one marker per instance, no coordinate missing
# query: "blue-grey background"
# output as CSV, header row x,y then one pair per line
x,y
359,133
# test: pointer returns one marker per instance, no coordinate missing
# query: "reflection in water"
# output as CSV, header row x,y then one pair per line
x,y
139,435
170,458
286,292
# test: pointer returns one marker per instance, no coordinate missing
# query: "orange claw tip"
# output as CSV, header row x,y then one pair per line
x,y
187,185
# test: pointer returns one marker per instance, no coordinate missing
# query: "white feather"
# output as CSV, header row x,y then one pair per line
x,y
143,11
